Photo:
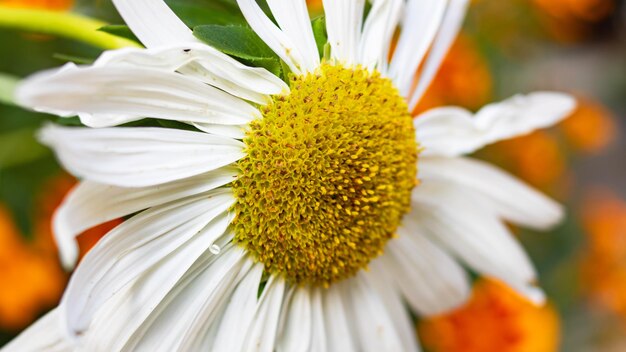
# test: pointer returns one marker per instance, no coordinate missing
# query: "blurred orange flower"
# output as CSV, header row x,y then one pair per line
x,y
31,280
604,262
591,128
60,5
464,79
496,319
572,20
577,10
31,277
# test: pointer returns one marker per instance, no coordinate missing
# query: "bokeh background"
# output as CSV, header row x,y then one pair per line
x,y
506,47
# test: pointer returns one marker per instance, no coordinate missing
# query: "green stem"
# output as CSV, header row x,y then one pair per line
x,y
62,24
7,87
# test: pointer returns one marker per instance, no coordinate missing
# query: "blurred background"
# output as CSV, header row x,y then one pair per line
x,y
506,47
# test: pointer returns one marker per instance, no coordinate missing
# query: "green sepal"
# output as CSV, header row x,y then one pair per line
x,y
320,34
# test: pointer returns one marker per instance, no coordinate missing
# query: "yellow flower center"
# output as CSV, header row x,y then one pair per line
x,y
327,177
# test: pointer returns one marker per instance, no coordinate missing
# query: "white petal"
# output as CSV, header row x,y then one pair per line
x,y
239,312
204,63
154,23
111,95
453,131
43,335
512,199
296,332
431,280
421,21
278,41
139,157
293,18
372,325
230,131
121,317
319,341
133,248
338,333
203,332
344,20
450,27
471,230
262,333
197,300
381,280
91,203
378,32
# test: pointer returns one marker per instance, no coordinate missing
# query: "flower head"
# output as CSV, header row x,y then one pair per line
x,y
279,210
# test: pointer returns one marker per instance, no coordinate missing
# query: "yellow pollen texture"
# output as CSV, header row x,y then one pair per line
x,y
327,177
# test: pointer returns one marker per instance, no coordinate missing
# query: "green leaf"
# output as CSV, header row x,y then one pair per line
x,y
8,84
119,30
20,147
319,32
238,41
274,65
200,12
243,44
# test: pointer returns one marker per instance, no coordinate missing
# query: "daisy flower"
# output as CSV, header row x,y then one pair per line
x,y
304,213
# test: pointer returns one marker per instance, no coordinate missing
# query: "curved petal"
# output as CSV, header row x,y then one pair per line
x,y
343,25
43,335
276,39
510,198
294,21
263,331
105,96
381,280
378,32
450,27
297,322
339,336
203,331
154,23
139,157
371,323
431,280
239,312
421,22
471,230
204,63
124,315
319,341
451,131
91,203
195,302
230,131
134,247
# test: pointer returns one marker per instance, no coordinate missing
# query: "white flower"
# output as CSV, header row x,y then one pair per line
x,y
247,238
